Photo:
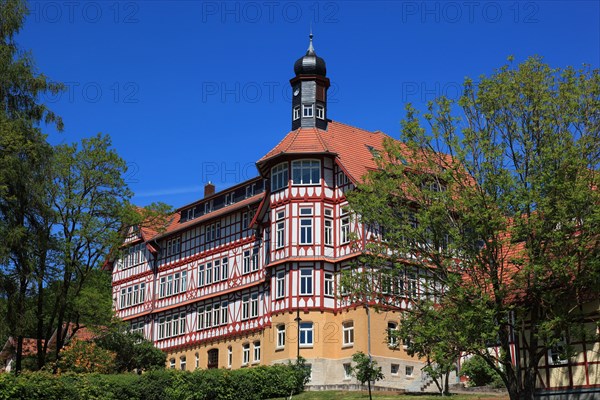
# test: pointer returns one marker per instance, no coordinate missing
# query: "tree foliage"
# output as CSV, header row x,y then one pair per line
x,y
495,196
366,369
132,351
479,373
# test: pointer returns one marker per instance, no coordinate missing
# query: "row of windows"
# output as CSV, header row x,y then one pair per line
x,y
250,261
215,271
304,172
306,283
132,295
172,284
133,256
212,315
246,354
171,325
308,110
306,227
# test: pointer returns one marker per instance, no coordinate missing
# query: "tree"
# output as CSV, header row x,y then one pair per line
x,y
366,370
429,332
497,202
24,155
479,372
86,357
132,351
90,201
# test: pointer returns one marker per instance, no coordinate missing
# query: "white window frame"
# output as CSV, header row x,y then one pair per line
x,y
310,166
348,333
306,334
279,176
296,113
245,353
306,234
256,352
320,112
307,110
392,340
280,285
280,336
306,281
328,278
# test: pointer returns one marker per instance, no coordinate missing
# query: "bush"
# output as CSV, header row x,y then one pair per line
x,y
256,383
480,373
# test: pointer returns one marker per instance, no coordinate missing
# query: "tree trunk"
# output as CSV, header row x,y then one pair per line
x,y
369,385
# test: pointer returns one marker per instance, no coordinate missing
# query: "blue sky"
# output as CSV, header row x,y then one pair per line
x,y
192,91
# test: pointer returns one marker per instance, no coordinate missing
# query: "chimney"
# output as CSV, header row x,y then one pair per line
x,y
209,189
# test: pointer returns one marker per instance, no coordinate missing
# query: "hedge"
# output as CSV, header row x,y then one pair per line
x,y
257,383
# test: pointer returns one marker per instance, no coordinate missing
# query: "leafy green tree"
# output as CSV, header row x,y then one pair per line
x,y
495,196
479,372
366,370
24,159
133,352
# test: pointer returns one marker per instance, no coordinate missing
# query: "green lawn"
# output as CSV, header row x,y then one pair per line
x,y
342,395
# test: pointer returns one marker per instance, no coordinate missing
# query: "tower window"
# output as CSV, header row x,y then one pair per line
x,y
279,176
307,110
320,112
296,113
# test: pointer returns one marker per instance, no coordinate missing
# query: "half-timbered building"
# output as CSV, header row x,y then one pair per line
x,y
250,275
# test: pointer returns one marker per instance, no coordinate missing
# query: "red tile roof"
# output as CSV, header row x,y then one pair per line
x,y
354,147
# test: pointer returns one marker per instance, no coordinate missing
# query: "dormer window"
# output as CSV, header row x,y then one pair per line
x,y
296,112
191,214
320,112
307,110
208,207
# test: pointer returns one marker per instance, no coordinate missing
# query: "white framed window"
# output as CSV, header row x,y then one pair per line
x,y
256,352
173,247
245,307
182,363
217,271
200,275
348,333
280,285
306,334
279,176
392,340
225,268
409,370
306,172
245,353
245,221
347,371
328,278
208,207
280,336
345,230
171,325
254,261
320,112
197,360
250,190
307,110
246,262
296,112
224,313
306,281
172,363
394,369
306,226
280,230
229,356
209,273
254,305
328,232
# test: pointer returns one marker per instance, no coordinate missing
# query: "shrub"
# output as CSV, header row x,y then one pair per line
x,y
480,373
